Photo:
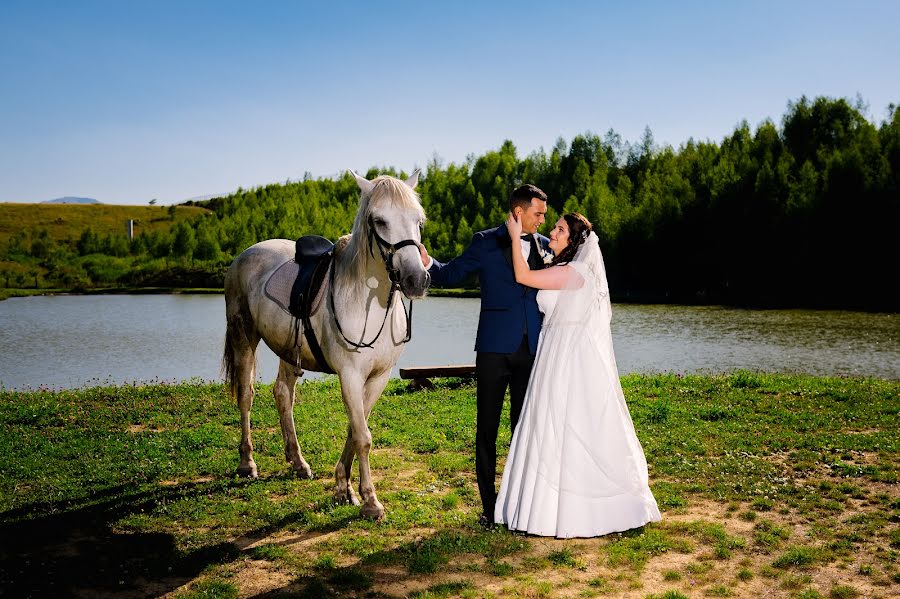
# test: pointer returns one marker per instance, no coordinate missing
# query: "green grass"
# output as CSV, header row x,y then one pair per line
x,y
563,558
438,292
798,557
600,585
446,589
107,488
843,592
636,547
212,589
713,534
768,536
669,595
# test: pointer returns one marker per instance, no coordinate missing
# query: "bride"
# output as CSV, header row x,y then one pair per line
x,y
575,466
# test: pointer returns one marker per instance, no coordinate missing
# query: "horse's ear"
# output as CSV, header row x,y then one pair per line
x,y
365,185
413,179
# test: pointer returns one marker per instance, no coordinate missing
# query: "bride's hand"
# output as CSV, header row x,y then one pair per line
x,y
514,226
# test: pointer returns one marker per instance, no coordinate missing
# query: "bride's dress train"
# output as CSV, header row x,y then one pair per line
x,y
575,466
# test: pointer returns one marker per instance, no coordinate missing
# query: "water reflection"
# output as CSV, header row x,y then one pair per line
x,y
70,341
712,338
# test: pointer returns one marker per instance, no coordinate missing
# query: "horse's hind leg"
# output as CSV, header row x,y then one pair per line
x,y
245,371
284,391
240,361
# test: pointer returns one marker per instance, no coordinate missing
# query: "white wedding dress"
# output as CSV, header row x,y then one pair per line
x,y
575,466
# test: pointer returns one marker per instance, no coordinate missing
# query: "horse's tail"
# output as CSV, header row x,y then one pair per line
x,y
237,340
228,359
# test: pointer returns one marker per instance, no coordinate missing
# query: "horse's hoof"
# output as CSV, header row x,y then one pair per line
x,y
248,471
373,511
346,497
304,472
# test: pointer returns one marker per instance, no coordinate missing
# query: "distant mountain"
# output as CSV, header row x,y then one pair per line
x,y
71,200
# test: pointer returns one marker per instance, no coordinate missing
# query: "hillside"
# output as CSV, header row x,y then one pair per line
x,y
67,221
84,246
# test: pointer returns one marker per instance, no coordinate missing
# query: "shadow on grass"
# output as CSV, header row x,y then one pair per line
x,y
408,387
73,548
60,549
404,565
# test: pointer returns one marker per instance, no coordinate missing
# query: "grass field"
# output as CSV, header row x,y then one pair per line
x,y
770,485
67,221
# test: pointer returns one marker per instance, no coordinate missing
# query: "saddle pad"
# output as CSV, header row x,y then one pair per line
x,y
278,287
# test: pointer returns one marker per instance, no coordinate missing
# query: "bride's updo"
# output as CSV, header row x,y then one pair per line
x,y
579,229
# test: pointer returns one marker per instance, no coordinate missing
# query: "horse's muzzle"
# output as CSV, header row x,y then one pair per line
x,y
415,285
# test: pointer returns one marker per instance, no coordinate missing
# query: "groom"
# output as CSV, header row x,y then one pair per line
x,y
508,326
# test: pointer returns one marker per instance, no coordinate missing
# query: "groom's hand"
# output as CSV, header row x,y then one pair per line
x,y
426,260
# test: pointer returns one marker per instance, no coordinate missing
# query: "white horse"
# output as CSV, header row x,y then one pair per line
x,y
360,327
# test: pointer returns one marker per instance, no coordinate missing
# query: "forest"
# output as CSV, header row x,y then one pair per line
x,y
801,213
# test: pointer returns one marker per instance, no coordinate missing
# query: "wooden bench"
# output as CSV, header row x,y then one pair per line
x,y
419,375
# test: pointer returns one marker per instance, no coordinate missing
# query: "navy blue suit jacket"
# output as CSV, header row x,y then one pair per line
x,y
508,309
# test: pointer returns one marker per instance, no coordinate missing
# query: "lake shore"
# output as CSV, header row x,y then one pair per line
x,y
6,293
784,485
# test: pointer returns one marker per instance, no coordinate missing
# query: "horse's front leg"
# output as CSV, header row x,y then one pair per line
x,y
372,508
355,395
343,490
284,391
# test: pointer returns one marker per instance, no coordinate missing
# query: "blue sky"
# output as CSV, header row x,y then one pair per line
x,y
129,101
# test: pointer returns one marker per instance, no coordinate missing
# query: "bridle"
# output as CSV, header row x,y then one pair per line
x,y
387,251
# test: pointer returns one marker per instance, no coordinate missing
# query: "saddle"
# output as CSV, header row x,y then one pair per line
x,y
313,255
297,286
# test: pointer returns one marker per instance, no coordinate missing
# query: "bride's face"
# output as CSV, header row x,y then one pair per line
x,y
559,236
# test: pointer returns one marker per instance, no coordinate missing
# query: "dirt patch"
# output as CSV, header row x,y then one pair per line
x,y
258,577
695,568
196,481
298,542
142,428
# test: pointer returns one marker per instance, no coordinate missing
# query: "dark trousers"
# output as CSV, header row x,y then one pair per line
x,y
495,372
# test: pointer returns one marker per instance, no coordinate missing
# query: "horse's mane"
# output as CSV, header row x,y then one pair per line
x,y
356,250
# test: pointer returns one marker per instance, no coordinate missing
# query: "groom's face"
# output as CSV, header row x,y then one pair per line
x,y
533,216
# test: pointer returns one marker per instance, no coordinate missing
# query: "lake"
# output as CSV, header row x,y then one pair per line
x,y
70,341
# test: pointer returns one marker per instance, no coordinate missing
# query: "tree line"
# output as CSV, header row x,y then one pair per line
x,y
799,213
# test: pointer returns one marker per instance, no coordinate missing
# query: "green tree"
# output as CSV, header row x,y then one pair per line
x,y
207,247
88,243
183,241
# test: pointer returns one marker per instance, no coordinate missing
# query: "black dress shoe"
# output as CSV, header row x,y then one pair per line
x,y
485,522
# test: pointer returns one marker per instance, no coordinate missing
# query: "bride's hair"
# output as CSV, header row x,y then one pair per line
x,y
579,229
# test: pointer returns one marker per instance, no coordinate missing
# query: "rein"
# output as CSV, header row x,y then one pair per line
x,y
387,251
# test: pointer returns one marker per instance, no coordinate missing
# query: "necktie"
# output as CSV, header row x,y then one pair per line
x,y
535,261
